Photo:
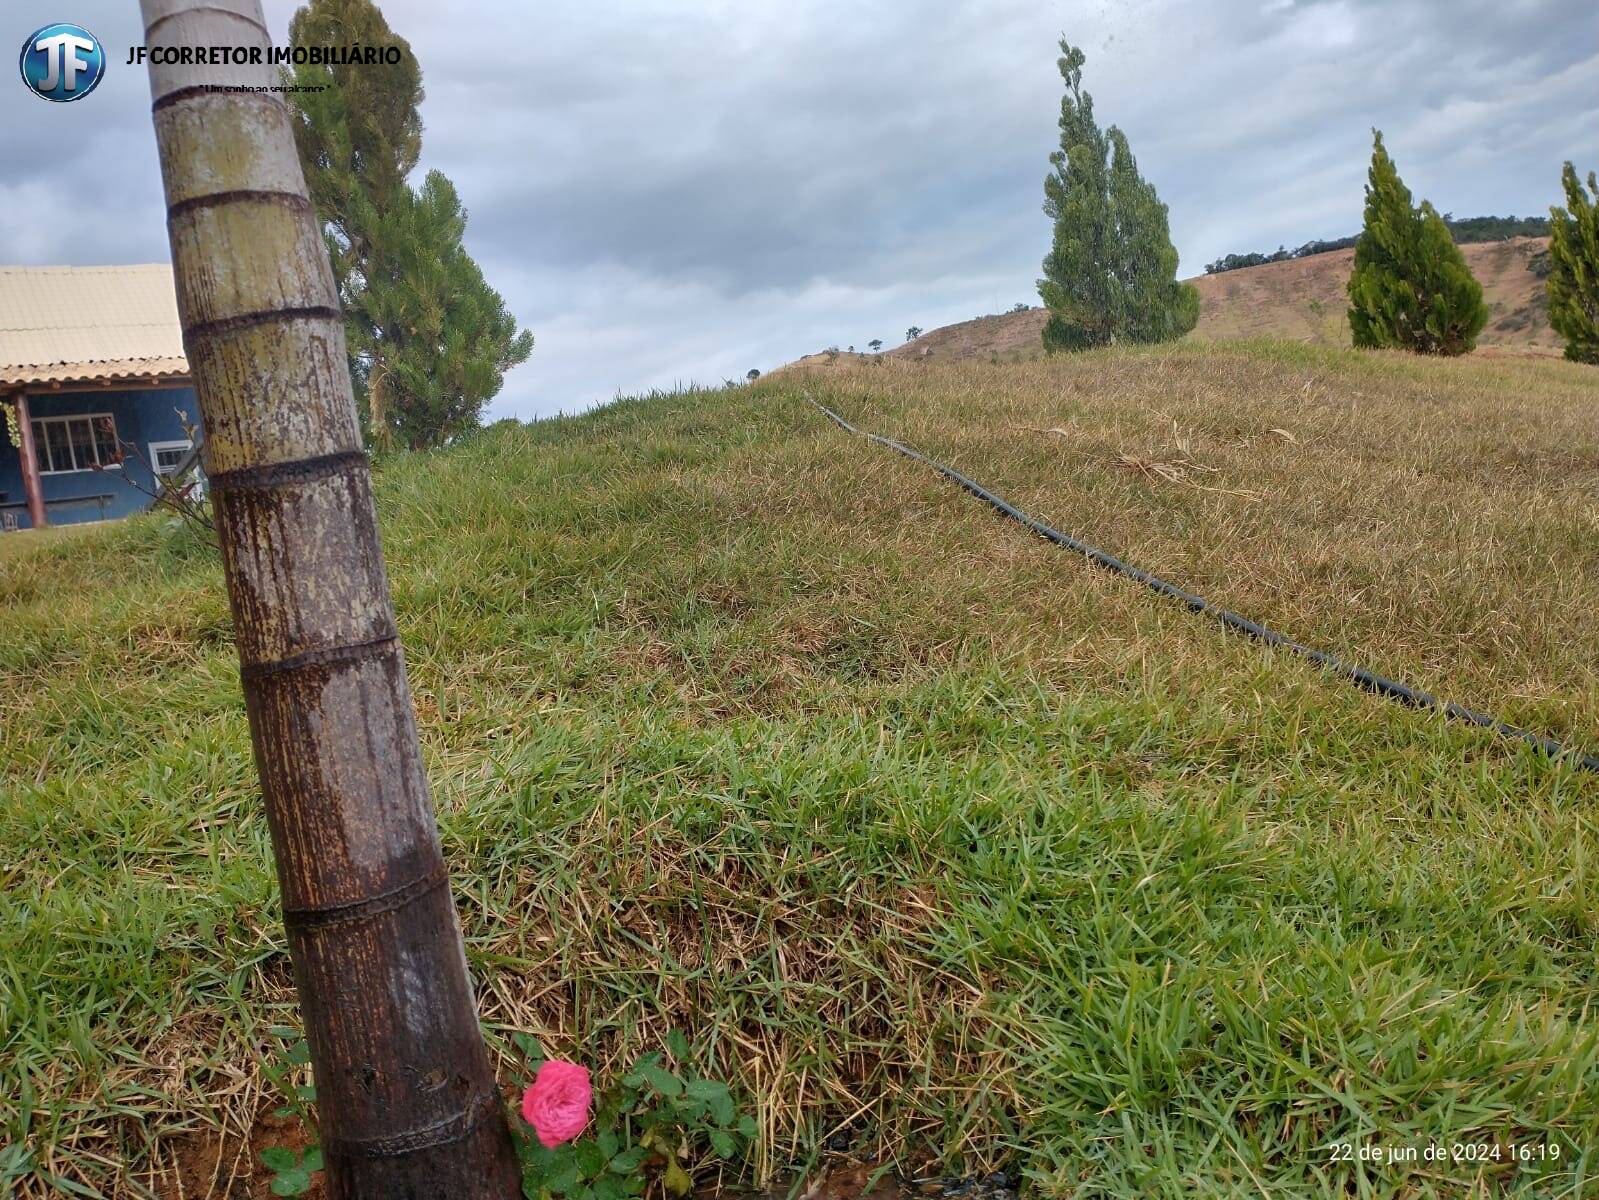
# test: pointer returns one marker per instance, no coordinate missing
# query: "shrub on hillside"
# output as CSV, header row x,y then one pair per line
x,y
1411,288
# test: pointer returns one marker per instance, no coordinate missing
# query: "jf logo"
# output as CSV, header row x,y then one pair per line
x,y
62,62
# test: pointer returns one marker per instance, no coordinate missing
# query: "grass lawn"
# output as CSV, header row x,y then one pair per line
x,y
27,541
916,825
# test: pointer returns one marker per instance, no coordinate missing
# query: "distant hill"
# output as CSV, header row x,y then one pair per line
x,y
1304,298
1301,299
1464,230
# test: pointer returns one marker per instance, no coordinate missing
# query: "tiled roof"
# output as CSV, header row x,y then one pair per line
x,y
88,325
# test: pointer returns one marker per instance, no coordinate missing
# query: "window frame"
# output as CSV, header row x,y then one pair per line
x,y
41,444
184,444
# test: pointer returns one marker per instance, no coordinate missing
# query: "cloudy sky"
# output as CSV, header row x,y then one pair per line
x,y
670,191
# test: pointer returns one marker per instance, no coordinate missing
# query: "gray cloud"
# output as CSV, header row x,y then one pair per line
x,y
667,190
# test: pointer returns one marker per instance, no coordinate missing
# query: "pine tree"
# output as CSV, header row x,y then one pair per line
x,y
1410,288
441,338
1574,262
429,339
360,136
1111,270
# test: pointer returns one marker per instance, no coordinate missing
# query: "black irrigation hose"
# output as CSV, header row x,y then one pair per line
x,y
1359,676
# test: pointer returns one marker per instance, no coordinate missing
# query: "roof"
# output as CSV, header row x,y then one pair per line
x,y
89,324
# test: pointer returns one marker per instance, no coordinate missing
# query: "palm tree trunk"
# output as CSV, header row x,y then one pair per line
x,y
406,1097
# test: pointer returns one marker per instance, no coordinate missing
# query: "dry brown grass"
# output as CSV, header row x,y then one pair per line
x,y
1301,300
1304,299
1438,520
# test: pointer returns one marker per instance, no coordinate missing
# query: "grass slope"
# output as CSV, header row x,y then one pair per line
x,y
915,824
1302,300
1305,299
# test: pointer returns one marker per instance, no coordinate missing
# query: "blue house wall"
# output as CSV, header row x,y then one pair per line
x,y
142,416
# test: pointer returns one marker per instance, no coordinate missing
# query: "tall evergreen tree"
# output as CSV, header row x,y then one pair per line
x,y
358,130
1410,288
429,339
360,137
1111,272
1574,268
442,338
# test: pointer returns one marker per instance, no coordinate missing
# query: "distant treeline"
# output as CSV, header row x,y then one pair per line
x,y
1467,229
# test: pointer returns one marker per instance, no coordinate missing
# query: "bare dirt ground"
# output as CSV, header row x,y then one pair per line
x,y
225,1167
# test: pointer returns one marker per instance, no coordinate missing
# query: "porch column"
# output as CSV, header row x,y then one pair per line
x,y
32,486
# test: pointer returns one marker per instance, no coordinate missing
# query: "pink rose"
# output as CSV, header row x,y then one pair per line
x,y
557,1105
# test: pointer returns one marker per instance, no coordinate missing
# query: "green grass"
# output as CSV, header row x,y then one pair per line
x,y
910,821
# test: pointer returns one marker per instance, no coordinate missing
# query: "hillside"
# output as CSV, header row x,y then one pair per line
x,y
936,841
1302,300
1305,300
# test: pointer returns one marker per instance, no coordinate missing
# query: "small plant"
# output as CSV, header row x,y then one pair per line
x,y
184,497
649,1126
752,374
292,1169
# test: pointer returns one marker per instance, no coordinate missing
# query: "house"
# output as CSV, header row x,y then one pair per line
x,y
94,391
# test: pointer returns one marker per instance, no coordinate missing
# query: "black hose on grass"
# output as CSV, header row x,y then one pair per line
x,y
1359,676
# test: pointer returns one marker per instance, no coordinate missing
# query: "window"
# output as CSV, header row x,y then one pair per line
x,y
165,456
82,443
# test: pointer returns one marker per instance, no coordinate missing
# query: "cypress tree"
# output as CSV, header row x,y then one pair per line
x,y
429,339
1410,288
1574,262
1111,272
